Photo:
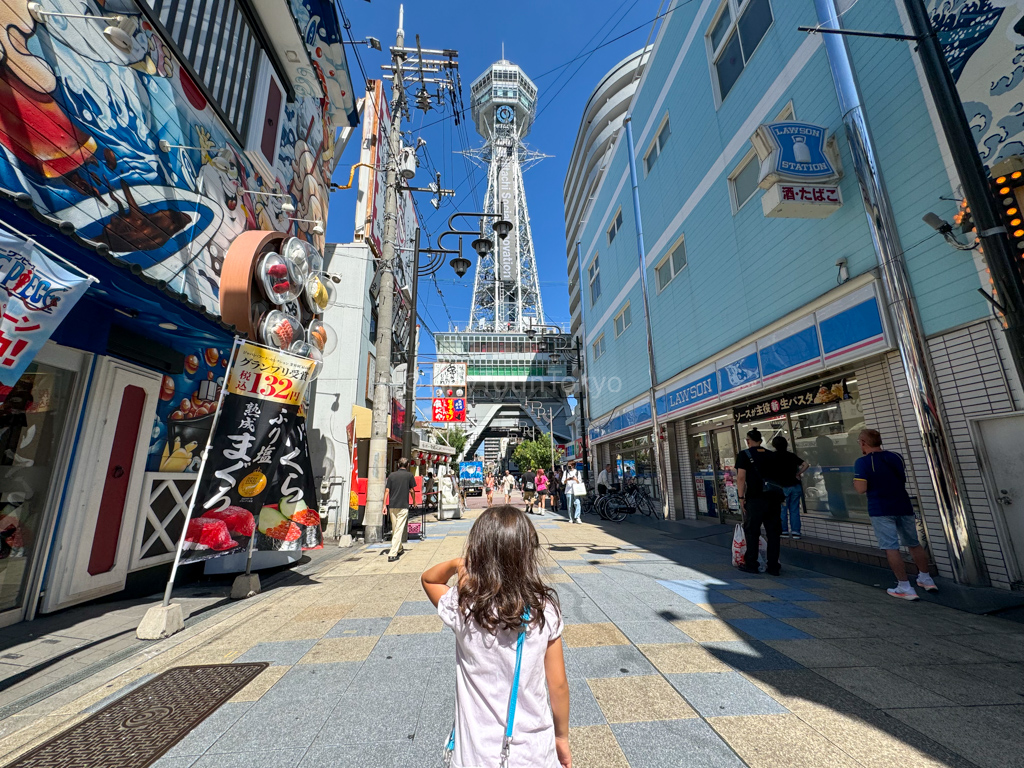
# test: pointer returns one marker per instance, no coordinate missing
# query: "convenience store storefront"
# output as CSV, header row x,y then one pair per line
x,y
817,379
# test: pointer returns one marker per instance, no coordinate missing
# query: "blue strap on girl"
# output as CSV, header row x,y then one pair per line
x,y
449,749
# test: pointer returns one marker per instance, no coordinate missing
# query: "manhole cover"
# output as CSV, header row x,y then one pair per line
x,y
135,730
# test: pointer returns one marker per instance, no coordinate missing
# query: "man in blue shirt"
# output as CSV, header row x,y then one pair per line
x,y
882,476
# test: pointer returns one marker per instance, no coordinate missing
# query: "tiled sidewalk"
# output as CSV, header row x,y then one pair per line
x,y
674,659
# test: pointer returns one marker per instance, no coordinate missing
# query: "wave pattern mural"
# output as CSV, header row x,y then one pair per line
x,y
984,44
80,126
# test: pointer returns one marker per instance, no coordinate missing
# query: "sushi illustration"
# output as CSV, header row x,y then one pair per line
x,y
207,533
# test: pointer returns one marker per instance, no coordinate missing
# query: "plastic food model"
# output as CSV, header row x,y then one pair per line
x,y
317,294
318,335
303,255
280,281
279,329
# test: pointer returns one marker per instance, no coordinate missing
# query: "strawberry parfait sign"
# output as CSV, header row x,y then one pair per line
x,y
239,493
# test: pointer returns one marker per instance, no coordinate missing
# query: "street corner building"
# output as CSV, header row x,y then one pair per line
x,y
138,142
786,277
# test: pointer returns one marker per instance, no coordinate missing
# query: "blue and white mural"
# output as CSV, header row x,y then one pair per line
x,y
984,44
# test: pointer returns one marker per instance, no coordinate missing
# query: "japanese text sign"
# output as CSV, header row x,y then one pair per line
x,y
813,394
36,293
450,374
448,409
270,374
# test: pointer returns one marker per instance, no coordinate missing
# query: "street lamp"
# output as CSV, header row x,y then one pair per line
x,y
482,245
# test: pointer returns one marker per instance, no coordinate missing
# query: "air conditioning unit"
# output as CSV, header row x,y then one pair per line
x,y
266,118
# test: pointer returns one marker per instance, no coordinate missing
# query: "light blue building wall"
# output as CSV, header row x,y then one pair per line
x,y
745,271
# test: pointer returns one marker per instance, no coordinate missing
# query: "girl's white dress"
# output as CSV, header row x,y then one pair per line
x,y
485,664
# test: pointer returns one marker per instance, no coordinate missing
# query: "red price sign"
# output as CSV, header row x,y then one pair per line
x,y
446,409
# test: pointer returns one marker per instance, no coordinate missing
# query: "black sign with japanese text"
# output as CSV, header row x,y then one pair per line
x,y
254,432
289,519
813,394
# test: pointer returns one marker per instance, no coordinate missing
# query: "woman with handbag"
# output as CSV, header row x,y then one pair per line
x,y
575,489
511,691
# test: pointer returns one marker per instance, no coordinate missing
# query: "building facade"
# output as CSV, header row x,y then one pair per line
x,y
138,141
768,307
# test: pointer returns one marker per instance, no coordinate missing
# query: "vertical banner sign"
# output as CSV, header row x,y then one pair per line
x,y
289,520
261,400
36,293
508,261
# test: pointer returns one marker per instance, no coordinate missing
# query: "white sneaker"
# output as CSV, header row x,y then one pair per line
x,y
926,582
903,593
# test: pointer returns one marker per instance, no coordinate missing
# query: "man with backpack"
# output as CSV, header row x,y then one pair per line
x,y
761,496
529,481
882,476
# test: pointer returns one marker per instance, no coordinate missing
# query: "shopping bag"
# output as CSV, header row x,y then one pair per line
x,y
762,554
739,545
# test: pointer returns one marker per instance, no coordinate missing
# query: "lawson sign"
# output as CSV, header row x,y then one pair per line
x,y
846,329
792,151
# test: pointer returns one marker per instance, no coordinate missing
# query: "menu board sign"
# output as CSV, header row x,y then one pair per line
x,y
813,394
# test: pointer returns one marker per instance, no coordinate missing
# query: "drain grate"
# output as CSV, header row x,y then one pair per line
x,y
135,730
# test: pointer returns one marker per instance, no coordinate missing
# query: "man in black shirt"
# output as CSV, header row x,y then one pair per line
x,y
529,480
791,468
397,489
761,499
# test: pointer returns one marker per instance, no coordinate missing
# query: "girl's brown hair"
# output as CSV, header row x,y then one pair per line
x,y
501,578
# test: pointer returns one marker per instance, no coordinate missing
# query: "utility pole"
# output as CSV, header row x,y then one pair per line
x,y
993,235
443,73
373,520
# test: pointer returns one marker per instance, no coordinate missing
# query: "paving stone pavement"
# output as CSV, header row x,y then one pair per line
x,y
674,659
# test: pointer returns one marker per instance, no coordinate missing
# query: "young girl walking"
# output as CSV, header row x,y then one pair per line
x,y
489,486
500,594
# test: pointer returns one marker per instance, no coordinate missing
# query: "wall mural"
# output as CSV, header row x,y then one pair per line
x,y
185,411
984,44
80,122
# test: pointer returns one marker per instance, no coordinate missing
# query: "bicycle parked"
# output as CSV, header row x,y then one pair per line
x,y
633,498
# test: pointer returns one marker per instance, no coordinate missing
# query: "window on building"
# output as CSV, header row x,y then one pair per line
x,y
743,181
622,320
657,146
599,346
613,230
671,265
594,273
732,38
222,48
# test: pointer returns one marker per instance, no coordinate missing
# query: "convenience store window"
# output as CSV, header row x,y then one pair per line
x,y
822,430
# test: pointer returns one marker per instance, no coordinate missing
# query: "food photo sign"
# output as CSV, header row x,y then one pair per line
x,y
256,488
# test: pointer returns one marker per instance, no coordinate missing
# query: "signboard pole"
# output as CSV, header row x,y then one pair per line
x,y
410,360
199,476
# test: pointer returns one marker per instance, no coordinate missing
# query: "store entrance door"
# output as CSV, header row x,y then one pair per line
x,y
725,472
96,532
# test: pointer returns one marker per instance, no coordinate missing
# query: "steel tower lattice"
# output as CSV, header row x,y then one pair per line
x,y
506,288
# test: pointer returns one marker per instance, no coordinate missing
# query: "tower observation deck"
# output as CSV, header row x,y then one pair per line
x,y
508,369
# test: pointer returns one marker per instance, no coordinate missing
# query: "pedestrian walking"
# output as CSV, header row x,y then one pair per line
x,y
511,691
573,486
543,491
489,487
882,476
396,491
605,480
757,484
507,484
791,468
529,484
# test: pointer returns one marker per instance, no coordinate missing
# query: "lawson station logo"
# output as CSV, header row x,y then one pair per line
x,y
791,151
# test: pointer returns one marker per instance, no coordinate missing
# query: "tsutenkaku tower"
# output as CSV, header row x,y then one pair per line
x,y
506,291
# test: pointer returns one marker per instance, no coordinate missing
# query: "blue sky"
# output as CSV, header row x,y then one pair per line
x,y
538,35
